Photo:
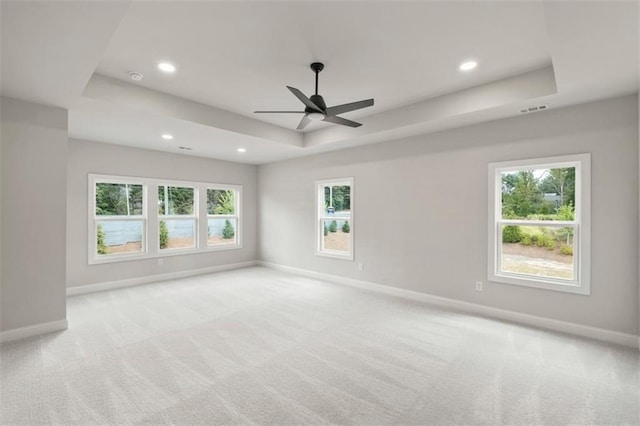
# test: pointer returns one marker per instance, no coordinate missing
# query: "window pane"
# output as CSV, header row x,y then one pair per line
x,y
543,251
336,235
176,234
119,236
118,199
539,194
337,198
175,200
220,201
221,231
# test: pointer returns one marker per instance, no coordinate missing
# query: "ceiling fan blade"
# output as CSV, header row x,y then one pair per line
x,y
306,101
339,120
339,109
278,112
303,123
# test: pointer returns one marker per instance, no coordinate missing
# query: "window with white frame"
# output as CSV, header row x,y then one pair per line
x,y
118,223
334,224
177,217
539,223
223,216
122,227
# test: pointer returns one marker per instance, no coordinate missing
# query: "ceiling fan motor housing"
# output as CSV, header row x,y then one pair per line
x,y
319,101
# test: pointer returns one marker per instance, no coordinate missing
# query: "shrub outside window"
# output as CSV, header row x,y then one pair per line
x,y
539,223
335,218
223,207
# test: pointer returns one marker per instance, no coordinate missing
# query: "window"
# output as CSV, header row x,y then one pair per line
x,y
176,211
335,218
122,227
223,216
539,230
118,218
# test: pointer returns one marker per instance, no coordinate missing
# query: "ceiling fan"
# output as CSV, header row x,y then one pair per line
x,y
315,108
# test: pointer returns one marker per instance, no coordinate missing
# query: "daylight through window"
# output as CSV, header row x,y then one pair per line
x,y
335,218
539,230
122,227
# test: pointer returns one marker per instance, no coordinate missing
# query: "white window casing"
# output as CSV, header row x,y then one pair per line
x,y
151,218
580,282
322,216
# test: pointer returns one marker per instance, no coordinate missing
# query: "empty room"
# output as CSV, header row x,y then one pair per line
x,y
319,212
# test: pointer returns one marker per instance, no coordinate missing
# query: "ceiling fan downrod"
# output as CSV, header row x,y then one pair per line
x,y
317,67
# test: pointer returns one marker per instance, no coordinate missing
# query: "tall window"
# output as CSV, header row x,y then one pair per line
x,y
190,217
335,218
177,215
119,218
223,211
539,231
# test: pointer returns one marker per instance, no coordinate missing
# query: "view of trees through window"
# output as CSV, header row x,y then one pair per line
x,y
547,194
118,199
222,222
336,217
175,200
135,217
176,233
120,207
532,200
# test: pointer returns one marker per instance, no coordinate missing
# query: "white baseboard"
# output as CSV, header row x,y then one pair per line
x,y
32,330
110,285
602,334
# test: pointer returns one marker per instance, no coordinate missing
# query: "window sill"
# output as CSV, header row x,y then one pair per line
x,y
541,283
335,255
166,253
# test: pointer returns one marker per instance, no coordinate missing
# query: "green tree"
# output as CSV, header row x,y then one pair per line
x,y
164,235
220,201
102,247
561,182
333,226
346,228
179,200
525,198
118,199
338,196
228,232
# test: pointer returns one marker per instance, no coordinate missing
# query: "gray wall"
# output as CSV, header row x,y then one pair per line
x,y
34,187
436,187
90,157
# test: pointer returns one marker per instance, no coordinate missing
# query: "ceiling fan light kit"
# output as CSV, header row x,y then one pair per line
x,y
316,109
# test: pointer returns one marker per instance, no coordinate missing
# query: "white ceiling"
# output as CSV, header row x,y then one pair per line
x,y
236,57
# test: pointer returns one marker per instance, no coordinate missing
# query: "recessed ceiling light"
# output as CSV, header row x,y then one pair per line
x,y
242,150
468,65
167,136
166,67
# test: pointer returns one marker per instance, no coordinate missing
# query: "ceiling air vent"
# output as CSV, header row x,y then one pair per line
x,y
185,148
534,109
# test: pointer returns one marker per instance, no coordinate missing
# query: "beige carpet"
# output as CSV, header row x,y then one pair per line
x,y
258,346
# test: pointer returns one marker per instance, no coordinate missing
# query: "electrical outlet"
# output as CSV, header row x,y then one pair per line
x,y
479,285
160,261
360,267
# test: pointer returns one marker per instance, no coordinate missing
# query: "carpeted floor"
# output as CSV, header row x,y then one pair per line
x,y
258,346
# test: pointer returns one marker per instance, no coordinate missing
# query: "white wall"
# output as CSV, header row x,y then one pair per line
x,y
34,187
90,157
435,188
